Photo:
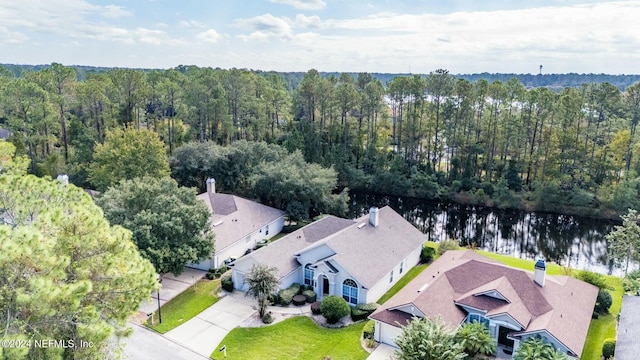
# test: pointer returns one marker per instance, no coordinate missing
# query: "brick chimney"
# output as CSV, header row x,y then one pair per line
x,y
211,185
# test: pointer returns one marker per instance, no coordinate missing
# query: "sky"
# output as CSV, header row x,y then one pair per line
x,y
388,36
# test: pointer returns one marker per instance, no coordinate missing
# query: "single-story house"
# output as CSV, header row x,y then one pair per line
x,y
627,344
356,259
464,286
238,224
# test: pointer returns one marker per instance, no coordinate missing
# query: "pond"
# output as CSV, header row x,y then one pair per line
x,y
572,241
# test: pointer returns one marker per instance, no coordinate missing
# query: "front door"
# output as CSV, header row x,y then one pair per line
x,y
502,336
325,286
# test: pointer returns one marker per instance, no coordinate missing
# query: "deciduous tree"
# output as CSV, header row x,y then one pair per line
x,y
170,226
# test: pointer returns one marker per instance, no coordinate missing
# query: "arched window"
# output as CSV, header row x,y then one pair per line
x,y
350,291
308,275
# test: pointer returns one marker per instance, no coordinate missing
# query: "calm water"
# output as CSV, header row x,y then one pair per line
x,y
572,241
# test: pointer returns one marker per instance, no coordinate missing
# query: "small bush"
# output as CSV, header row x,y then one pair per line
x,y
592,278
445,245
370,343
362,311
310,295
603,302
210,276
595,315
427,254
227,282
267,318
608,348
368,331
334,308
315,308
286,295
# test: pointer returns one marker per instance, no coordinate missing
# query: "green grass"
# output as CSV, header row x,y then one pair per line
x,y
295,338
410,275
186,305
600,329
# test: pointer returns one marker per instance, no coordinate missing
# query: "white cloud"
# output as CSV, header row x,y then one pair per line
x,y
70,18
11,37
303,4
265,26
210,35
114,11
162,25
192,24
304,21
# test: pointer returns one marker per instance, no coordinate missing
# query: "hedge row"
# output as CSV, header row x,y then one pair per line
x,y
362,311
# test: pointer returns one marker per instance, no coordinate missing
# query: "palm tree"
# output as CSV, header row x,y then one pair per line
x,y
263,282
535,348
476,339
426,339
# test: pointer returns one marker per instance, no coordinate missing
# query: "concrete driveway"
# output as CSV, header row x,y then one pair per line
x,y
172,286
203,333
383,352
144,344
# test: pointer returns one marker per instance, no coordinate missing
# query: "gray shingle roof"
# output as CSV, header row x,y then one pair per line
x,y
627,344
281,253
236,217
562,307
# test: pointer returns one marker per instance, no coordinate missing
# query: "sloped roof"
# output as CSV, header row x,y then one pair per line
x,y
235,217
366,252
281,253
369,253
627,344
562,307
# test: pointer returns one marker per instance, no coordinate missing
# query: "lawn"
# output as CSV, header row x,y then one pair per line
x,y
600,329
410,275
295,338
186,305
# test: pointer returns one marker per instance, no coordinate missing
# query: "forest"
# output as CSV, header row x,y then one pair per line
x,y
570,149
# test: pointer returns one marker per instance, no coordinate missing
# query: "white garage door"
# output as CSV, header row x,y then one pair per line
x,y
388,334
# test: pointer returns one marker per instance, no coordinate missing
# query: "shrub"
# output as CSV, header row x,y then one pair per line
x,y
631,282
296,288
592,278
286,295
368,331
227,282
595,315
445,245
608,348
362,311
427,254
267,318
315,308
310,295
334,308
603,302
370,343
210,276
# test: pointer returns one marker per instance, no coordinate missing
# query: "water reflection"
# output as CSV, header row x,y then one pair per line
x,y
571,241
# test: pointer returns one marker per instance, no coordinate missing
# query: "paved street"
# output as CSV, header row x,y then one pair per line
x,y
144,344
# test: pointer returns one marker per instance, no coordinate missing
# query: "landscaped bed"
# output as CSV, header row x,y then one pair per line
x,y
186,305
295,338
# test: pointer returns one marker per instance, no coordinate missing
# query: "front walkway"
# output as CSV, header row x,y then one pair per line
x,y
205,331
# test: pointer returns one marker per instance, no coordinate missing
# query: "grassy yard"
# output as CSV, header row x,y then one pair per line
x,y
600,329
185,306
294,338
410,275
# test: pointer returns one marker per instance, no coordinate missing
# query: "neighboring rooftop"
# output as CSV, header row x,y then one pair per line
x,y
233,217
563,306
627,344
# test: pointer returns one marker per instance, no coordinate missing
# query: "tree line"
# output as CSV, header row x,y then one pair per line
x,y
434,136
